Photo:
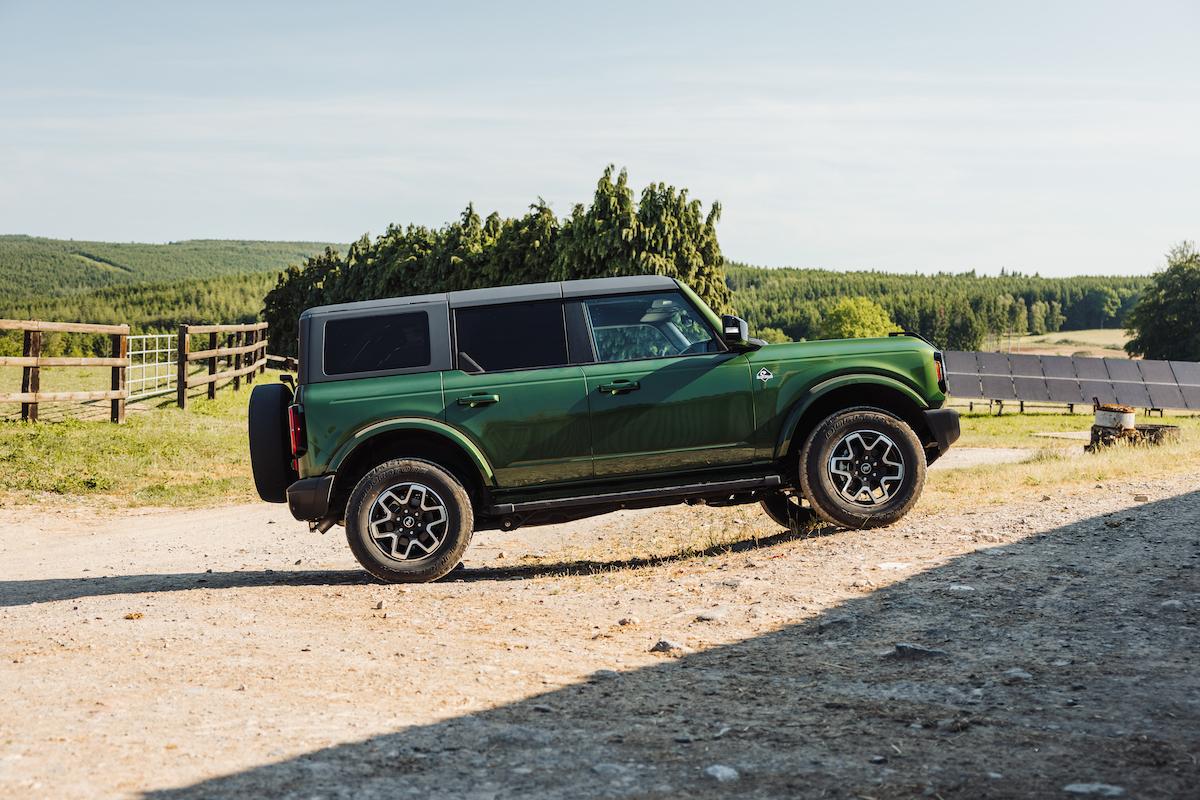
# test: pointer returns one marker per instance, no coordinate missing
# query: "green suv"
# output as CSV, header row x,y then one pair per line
x,y
416,421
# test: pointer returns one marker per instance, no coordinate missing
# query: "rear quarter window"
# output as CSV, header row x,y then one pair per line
x,y
376,343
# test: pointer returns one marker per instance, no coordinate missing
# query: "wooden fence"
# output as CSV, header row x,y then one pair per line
x,y
32,361
244,351
284,363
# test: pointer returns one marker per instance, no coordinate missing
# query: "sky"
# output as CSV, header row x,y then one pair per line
x,y
1059,138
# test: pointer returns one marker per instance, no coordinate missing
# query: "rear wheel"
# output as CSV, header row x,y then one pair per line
x,y
409,521
862,468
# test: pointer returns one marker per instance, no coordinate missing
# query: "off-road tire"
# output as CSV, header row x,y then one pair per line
x,y
818,483
459,522
785,510
270,447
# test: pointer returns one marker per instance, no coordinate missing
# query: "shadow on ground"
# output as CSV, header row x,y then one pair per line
x,y
1055,662
46,590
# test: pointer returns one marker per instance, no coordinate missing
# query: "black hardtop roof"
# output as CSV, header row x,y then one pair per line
x,y
508,294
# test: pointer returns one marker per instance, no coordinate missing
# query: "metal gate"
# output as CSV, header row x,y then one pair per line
x,y
152,365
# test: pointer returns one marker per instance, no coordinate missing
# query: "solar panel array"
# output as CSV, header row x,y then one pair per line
x,y
1068,379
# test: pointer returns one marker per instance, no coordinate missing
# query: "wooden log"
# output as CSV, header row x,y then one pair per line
x,y
237,360
201,380
60,327
31,377
252,326
212,364
62,361
228,362
200,355
252,343
286,363
120,352
181,378
61,397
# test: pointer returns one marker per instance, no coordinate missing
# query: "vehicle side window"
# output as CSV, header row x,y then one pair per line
x,y
510,336
647,326
376,342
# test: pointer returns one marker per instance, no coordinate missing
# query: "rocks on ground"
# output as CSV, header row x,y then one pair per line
x,y
721,773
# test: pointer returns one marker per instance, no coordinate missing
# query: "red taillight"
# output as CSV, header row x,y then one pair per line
x,y
296,429
941,371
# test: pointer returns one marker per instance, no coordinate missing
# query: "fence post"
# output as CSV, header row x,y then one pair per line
x,y
31,377
238,340
252,338
212,366
182,367
120,349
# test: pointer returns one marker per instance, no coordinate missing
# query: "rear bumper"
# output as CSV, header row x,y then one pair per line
x,y
942,424
308,499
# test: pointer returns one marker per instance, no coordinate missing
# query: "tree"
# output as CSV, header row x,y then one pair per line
x,y
854,318
965,331
664,233
1101,306
1038,310
1165,323
1018,316
771,335
1055,317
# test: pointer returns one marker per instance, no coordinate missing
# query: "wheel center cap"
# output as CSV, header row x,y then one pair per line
x,y
865,469
408,522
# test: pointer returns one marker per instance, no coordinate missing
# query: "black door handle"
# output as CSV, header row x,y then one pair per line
x,y
474,400
619,387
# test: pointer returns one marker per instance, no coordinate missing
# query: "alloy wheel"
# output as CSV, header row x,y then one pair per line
x,y
408,521
866,467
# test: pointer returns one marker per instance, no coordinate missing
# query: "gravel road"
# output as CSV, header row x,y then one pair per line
x,y
1000,652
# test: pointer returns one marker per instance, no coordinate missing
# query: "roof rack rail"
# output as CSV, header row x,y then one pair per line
x,y
915,335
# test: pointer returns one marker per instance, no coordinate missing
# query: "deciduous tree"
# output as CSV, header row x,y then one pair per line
x,y
1165,323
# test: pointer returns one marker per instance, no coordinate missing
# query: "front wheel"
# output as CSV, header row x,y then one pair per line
x,y
409,521
862,468
785,510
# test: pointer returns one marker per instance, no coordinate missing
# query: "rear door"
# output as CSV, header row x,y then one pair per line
x,y
515,392
665,395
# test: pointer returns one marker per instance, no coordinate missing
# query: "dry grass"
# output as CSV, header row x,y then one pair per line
x,y
1019,430
1094,342
1051,470
164,457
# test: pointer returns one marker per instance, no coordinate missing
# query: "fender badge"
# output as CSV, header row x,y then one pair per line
x,y
765,375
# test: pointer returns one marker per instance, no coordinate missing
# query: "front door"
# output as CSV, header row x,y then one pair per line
x,y
514,393
664,395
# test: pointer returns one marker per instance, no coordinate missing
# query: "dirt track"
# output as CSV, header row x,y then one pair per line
x,y
1067,629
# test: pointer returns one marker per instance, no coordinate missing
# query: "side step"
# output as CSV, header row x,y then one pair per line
x,y
709,489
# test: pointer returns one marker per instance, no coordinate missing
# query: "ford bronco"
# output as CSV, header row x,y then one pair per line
x,y
416,421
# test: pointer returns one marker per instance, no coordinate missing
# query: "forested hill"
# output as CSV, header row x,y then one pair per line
x,y
956,310
149,286
35,267
157,286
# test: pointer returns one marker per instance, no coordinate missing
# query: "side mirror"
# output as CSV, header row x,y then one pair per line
x,y
736,333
